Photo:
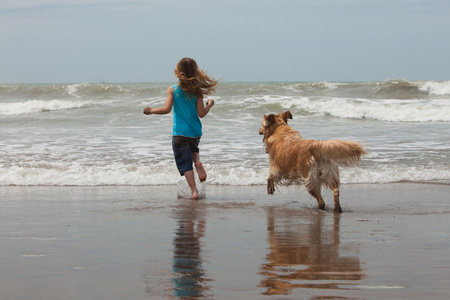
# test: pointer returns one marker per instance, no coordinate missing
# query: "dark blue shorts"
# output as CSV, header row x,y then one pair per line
x,y
183,147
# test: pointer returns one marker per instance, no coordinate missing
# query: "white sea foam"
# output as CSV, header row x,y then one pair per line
x,y
331,85
436,87
73,89
390,173
383,110
77,175
35,106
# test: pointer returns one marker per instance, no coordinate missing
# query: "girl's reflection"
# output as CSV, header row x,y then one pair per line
x,y
189,274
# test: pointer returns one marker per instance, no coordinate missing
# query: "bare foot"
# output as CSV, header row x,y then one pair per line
x,y
194,194
200,171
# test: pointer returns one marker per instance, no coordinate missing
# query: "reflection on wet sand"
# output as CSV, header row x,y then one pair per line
x,y
189,279
304,253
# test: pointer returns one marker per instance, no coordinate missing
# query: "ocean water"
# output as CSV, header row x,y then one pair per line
x,y
96,134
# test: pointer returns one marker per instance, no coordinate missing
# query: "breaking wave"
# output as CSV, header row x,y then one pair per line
x,y
78,175
436,88
390,89
382,110
35,106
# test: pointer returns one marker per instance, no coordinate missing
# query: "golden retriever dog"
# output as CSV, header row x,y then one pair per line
x,y
310,162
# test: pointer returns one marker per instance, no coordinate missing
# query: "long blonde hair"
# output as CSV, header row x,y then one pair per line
x,y
192,79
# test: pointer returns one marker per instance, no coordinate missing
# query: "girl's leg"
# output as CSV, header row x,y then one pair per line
x,y
191,182
199,167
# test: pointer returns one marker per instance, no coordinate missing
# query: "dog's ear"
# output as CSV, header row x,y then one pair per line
x,y
286,115
268,120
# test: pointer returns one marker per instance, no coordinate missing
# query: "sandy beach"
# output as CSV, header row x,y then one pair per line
x,y
391,242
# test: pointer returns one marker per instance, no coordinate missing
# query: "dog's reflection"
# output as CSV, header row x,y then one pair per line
x,y
304,253
189,275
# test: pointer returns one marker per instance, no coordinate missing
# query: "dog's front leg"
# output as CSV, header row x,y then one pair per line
x,y
270,185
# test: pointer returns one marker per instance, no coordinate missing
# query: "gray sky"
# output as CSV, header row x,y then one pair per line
x,y
70,41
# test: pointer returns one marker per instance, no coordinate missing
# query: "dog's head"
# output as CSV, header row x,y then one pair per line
x,y
271,122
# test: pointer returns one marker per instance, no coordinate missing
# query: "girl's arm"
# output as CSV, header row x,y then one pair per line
x,y
164,109
201,109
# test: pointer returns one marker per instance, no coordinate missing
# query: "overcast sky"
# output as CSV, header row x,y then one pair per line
x,y
72,41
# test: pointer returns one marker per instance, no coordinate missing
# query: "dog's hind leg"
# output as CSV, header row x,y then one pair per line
x,y
337,206
316,194
270,185
333,183
313,185
314,190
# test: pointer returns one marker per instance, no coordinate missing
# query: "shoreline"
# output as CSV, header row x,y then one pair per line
x,y
140,242
181,182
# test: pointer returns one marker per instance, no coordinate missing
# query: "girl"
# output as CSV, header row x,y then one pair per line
x,y
186,98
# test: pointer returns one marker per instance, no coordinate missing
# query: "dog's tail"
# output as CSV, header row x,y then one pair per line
x,y
344,153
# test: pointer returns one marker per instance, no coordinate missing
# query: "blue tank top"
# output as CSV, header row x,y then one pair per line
x,y
186,121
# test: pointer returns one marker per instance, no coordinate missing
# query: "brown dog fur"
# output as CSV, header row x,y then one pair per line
x,y
296,160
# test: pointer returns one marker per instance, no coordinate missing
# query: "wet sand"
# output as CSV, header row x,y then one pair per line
x,y
391,242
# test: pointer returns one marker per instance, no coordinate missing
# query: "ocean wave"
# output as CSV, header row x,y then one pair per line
x,y
393,89
389,89
395,173
35,106
73,89
436,88
279,88
382,110
76,174
316,86
84,91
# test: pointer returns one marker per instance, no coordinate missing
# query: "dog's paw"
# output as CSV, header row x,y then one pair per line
x,y
337,210
270,189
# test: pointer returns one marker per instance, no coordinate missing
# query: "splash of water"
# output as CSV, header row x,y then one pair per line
x,y
184,191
